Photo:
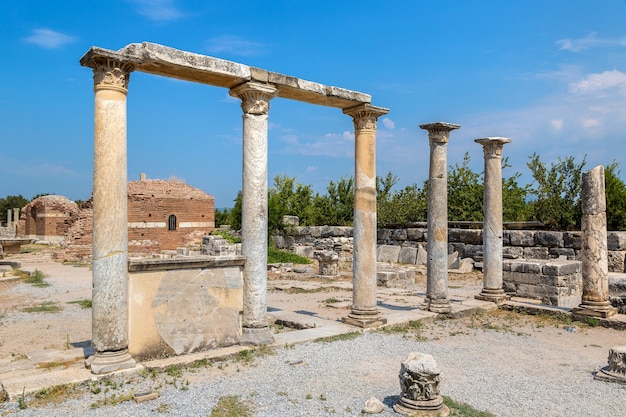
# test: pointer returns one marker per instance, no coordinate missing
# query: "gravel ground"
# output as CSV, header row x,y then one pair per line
x,y
505,364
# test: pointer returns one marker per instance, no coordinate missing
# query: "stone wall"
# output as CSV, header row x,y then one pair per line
x,y
47,218
518,244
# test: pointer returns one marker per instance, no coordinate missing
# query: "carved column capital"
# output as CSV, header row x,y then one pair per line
x,y
255,98
492,147
365,115
439,131
111,74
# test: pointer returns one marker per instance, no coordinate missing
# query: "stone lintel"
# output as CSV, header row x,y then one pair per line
x,y
145,265
162,60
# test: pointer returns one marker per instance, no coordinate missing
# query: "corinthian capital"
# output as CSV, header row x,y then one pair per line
x,y
439,131
365,115
111,74
492,147
255,98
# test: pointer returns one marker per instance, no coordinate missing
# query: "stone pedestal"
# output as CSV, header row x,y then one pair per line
x,y
364,312
110,218
437,244
492,223
616,371
328,262
255,105
419,381
594,251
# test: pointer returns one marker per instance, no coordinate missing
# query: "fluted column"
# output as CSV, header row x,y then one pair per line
x,y
437,244
492,222
255,105
110,218
364,312
594,249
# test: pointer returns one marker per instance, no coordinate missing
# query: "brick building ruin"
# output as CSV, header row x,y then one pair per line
x,y
47,218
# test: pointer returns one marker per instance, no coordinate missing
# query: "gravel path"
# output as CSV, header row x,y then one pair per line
x,y
507,365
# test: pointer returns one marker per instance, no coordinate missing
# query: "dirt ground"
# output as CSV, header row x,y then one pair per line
x,y
69,324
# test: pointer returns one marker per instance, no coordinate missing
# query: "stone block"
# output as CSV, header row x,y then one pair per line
x,y
384,235
572,240
457,247
549,239
525,267
567,253
506,239
471,236
316,231
415,234
536,253
558,268
384,277
616,240
472,250
407,255
422,255
452,258
399,234
617,285
454,235
616,261
521,238
279,241
388,253
306,251
512,252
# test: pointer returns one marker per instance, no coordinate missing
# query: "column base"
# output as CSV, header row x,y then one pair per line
x,y
105,362
441,306
256,336
364,318
616,371
600,309
497,296
426,408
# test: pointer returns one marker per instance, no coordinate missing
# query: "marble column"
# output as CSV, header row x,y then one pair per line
x,y
364,312
594,250
110,218
255,100
9,222
16,218
492,223
437,243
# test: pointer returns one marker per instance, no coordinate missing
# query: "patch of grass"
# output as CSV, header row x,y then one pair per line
x,y
413,327
163,408
114,399
45,307
331,300
230,238
54,395
458,409
57,364
36,278
82,303
76,264
592,321
231,406
174,372
275,256
339,337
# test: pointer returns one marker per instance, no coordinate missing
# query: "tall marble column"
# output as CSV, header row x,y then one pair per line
x,y
9,214
594,250
364,312
437,243
110,218
16,218
255,105
492,223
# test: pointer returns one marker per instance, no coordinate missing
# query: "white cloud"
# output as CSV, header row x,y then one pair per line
x,y
228,44
606,82
49,39
590,41
158,10
388,123
312,168
557,124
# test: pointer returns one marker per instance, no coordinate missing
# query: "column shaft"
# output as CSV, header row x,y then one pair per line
x,y
437,241
364,312
492,222
254,218
110,219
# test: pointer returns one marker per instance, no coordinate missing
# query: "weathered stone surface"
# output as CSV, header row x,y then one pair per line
x,y
616,261
593,198
399,234
536,253
512,252
521,238
407,256
558,268
415,234
422,255
549,239
306,251
616,240
567,253
328,262
383,235
373,406
388,253
572,240
616,369
471,236
419,381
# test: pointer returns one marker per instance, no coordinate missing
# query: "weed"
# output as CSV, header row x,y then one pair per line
x,y
331,300
329,410
592,321
245,356
174,372
414,327
148,373
458,409
45,307
323,397
230,238
282,393
54,395
35,278
21,401
309,397
113,400
231,406
82,303
163,408
339,337
57,364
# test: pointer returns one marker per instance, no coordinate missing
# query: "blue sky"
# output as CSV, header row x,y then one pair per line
x,y
551,75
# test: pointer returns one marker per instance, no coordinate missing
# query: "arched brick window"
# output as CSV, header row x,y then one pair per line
x,y
171,222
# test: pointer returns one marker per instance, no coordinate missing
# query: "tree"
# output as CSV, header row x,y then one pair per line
x,y
336,208
557,191
287,197
9,203
514,206
615,198
465,193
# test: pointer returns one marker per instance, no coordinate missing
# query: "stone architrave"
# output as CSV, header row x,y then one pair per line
x,y
492,223
437,243
616,370
594,252
419,380
364,312
110,218
255,100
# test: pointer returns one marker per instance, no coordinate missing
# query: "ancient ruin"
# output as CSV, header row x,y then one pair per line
x,y
419,380
47,218
255,87
616,369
